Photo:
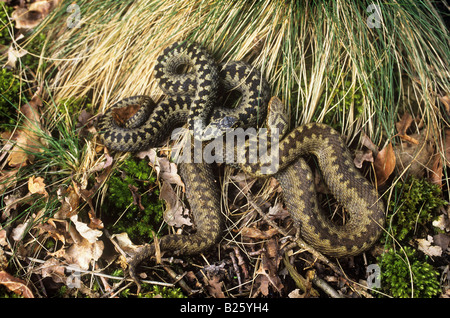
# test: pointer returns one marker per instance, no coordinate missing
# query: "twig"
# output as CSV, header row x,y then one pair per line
x,y
300,281
236,270
323,285
178,279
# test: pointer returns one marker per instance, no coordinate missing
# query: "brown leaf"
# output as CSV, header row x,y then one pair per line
x,y
37,185
91,235
365,140
83,253
361,156
136,197
268,270
175,214
446,101
122,114
436,171
52,268
427,247
404,123
278,212
3,237
215,287
384,164
70,201
414,157
14,55
26,139
15,285
28,18
255,233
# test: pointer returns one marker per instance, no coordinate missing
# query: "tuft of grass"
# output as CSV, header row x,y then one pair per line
x,y
295,44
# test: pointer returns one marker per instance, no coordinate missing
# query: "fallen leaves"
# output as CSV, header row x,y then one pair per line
x,y
16,285
384,164
29,17
26,141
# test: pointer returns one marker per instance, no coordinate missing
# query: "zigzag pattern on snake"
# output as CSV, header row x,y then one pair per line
x,y
192,97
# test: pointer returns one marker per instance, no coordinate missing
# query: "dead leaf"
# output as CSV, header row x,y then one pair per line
x,y
124,242
361,157
91,235
446,101
37,185
215,286
52,268
70,201
268,269
83,253
442,222
404,123
165,170
278,212
384,164
15,285
3,237
28,18
255,233
20,230
8,179
27,141
244,183
136,197
14,55
51,230
175,213
436,172
365,140
425,245
103,164
416,157
122,114
442,240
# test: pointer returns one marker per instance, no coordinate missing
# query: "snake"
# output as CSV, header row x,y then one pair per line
x,y
194,85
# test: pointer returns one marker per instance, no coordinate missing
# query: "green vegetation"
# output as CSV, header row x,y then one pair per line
x,y
5,13
10,90
132,182
403,275
411,206
344,97
163,292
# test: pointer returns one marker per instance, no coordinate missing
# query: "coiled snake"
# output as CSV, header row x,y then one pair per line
x,y
191,97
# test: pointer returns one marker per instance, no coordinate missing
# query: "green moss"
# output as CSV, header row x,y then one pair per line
x,y
411,206
137,222
161,291
397,271
5,13
34,45
10,88
73,106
